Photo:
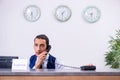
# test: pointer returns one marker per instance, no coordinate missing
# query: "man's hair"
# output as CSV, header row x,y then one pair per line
x,y
43,36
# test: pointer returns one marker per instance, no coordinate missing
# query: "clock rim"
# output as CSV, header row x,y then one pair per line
x,y
98,11
61,19
24,12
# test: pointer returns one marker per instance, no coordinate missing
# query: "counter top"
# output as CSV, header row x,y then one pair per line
x,y
67,72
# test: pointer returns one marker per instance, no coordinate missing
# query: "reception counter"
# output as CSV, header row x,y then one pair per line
x,y
69,74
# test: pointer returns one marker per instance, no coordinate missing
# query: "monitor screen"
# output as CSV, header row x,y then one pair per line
x,y
6,61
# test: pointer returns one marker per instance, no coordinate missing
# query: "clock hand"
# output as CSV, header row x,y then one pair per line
x,y
91,14
63,13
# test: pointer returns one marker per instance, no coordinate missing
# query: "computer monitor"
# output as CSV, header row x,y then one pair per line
x,y
6,61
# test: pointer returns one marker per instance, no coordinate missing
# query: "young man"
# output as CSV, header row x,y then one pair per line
x,y
42,59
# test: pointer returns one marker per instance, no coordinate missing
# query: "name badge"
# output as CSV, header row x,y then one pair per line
x,y
19,64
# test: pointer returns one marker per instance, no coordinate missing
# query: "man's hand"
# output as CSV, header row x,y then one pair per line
x,y
41,57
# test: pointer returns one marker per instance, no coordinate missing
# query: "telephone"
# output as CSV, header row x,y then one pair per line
x,y
92,67
48,48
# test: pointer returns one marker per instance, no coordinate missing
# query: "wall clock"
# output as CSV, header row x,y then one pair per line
x,y
91,14
32,13
63,13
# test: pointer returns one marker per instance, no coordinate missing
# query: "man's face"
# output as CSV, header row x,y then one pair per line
x,y
39,46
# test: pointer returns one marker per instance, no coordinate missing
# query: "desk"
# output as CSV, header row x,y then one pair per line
x,y
70,74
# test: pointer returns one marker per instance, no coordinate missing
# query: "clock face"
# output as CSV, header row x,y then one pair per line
x,y
32,13
62,13
91,14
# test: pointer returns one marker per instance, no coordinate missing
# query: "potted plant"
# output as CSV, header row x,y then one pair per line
x,y
112,57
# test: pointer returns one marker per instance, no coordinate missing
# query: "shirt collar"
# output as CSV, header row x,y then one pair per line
x,y
47,56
